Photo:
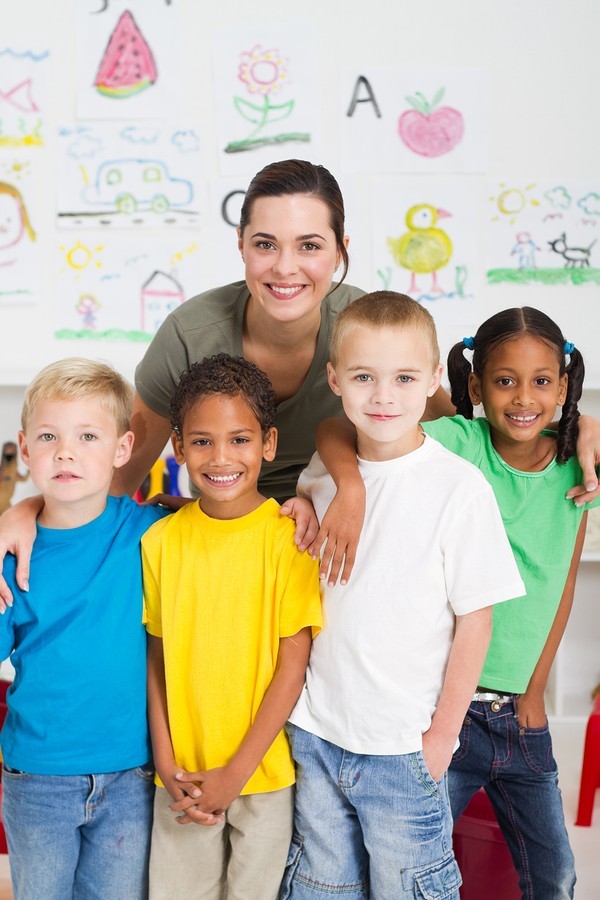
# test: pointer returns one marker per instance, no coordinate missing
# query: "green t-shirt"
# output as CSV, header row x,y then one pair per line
x,y
213,322
542,527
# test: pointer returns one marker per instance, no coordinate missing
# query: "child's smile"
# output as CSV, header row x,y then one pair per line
x,y
520,389
223,447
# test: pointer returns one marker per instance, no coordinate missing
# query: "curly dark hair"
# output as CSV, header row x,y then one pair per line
x,y
224,374
502,327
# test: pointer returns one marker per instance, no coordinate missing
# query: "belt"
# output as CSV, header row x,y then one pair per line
x,y
495,700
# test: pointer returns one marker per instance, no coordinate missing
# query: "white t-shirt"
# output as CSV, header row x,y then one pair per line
x,y
433,546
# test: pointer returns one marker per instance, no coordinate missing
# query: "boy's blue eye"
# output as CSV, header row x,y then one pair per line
x,y
363,377
405,379
47,437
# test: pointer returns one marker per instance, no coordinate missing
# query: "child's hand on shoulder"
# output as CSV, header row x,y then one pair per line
x,y
301,511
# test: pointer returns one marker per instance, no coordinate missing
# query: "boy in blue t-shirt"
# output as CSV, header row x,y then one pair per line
x,y
77,782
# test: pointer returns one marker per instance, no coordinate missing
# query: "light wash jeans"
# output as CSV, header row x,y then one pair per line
x,y
517,769
85,837
376,827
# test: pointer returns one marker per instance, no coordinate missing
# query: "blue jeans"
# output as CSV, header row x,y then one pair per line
x,y
78,836
517,769
375,827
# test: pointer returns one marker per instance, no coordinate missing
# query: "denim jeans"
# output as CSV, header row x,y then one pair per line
x,y
517,769
85,837
365,826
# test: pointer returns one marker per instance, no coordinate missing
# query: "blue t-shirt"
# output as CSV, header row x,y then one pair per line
x,y
78,702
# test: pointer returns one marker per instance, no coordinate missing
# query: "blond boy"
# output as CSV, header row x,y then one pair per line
x,y
77,781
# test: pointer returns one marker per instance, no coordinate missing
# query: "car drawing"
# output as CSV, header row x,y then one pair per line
x,y
131,184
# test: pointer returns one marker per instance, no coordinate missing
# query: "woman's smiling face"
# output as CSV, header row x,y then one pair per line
x,y
290,253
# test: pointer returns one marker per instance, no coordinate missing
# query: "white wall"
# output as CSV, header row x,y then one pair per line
x,y
543,119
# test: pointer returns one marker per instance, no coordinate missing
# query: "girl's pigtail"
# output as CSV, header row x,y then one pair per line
x,y
459,370
568,426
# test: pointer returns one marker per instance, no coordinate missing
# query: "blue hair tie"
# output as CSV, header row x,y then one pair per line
x,y
569,347
469,342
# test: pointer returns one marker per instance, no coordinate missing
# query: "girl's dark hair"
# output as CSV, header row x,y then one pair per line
x,y
297,176
511,323
224,374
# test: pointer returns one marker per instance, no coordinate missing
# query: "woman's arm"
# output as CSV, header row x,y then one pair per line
x,y
17,534
588,455
152,431
531,708
222,785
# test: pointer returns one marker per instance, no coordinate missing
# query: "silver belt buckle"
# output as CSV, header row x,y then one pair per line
x,y
495,700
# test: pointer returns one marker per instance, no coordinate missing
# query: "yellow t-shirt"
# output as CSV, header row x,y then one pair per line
x,y
221,593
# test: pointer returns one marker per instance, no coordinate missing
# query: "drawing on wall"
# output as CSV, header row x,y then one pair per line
x,y
264,73
19,253
123,290
265,95
127,60
128,65
424,232
543,233
415,120
23,80
428,128
111,175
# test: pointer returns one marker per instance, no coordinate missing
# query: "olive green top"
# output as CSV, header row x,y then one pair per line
x,y
211,323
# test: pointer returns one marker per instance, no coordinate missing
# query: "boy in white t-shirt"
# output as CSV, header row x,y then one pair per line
x,y
391,676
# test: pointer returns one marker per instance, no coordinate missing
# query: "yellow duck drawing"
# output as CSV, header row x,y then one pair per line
x,y
423,248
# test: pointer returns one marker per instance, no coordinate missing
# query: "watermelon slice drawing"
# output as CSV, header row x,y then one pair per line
x,y
128,65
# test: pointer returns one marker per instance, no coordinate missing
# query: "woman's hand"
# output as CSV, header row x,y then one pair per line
x,y
340,532
588,455
302,512
17,536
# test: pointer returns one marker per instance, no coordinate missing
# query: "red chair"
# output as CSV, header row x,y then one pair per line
x,y
590,771
482,854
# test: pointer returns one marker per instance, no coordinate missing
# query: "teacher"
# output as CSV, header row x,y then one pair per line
x,y
292,241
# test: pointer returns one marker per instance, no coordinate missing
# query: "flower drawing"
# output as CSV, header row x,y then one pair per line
x,y
264,73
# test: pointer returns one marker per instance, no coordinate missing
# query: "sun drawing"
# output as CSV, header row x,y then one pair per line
x,y
511,201
79,256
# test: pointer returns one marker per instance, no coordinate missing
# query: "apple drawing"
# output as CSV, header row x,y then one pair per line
x,y
429,131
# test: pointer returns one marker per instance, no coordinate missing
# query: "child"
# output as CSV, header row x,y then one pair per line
x,y
390,677
77,782
522,369
230,602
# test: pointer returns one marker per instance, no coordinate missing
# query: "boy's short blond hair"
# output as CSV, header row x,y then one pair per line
x,y
383,309
77,378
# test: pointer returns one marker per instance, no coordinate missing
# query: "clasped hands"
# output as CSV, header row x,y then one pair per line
x,y
201,797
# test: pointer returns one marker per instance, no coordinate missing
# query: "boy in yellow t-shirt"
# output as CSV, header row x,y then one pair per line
x,y
230,604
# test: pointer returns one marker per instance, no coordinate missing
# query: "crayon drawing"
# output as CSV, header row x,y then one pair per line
x,y
19,244
122,290
424,234
23,80
127,62
140,175
414,120
265,96
543,233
